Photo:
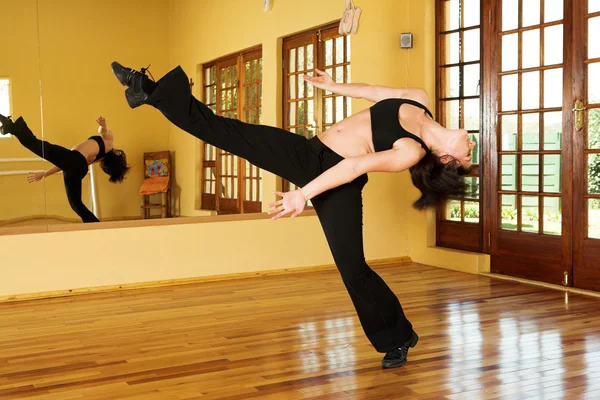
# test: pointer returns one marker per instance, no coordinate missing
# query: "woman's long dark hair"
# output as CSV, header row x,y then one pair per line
x,y
115,165
437,180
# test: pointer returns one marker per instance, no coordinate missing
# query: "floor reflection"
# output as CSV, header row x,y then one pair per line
x,y
535,344
464,332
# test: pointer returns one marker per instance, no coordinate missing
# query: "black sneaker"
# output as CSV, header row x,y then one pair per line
x,y
7,125
136,93
397,358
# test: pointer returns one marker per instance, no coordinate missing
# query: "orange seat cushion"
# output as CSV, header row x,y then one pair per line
x,y
157,184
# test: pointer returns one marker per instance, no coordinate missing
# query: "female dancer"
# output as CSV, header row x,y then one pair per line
x,y
74,163
331,170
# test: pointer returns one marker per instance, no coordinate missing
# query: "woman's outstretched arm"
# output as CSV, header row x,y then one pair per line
x,y
345,171
363,91
102,130
51,171
38,176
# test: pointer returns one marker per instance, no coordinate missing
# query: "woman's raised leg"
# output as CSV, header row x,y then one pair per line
x,y
278,151
65,159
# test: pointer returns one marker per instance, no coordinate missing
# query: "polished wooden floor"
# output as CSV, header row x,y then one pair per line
x,y
296,337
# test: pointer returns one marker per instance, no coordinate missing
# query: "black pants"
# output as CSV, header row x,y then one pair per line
x,y
298,160
71,162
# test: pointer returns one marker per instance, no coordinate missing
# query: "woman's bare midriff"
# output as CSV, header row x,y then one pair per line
x,y
90,149
353,136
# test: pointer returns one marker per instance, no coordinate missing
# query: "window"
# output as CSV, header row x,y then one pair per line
x,y
5,98
232,87
459,107
307,111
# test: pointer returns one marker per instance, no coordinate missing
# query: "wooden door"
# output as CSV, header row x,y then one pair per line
x,y
529,152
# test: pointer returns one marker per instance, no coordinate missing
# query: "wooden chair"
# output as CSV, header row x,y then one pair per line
x,y
157,175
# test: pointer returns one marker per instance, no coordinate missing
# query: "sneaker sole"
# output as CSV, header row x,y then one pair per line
x,y
117,70
135,100
414,340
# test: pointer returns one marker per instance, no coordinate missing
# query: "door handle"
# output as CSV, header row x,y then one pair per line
x,y
565,281
578,110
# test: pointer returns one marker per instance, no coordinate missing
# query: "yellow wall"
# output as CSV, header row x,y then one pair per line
x,y
19,62
201,31
129,255
78,41
19,199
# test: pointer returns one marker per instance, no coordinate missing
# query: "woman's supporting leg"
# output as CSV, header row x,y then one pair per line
x,y
67,160
378,308
281,152
73,190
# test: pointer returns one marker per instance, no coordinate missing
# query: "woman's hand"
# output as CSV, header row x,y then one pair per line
x,y
322,81
293,201
35,177
102,124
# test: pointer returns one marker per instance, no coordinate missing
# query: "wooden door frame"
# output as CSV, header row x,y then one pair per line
x,y
586,275
491,13
568,140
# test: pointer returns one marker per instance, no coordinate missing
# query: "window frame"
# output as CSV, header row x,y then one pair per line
x,y
246,172
460,235
9,112
317,37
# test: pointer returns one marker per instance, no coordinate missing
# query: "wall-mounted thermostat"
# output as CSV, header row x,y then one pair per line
x,y
406,40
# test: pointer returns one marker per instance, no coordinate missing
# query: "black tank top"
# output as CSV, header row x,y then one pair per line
x,y
386,125
102,152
